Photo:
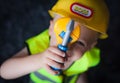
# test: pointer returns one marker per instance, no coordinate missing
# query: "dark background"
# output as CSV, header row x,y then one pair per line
x,y
22,19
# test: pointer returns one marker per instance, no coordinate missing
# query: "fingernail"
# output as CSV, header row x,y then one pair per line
x,y
57,73
64,55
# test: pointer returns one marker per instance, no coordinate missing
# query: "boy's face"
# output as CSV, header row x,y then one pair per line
x,y
88,39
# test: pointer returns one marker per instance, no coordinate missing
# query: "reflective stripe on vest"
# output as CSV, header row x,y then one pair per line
x,y
66,79
42,77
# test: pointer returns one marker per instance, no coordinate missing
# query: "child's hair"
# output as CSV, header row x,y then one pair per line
x,y
93,14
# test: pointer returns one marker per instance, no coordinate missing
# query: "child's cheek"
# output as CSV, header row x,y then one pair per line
x,y
76,54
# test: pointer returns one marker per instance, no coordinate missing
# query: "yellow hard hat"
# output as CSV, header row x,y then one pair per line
x,y
93,14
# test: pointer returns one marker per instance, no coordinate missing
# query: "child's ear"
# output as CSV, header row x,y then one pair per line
x,y
51,27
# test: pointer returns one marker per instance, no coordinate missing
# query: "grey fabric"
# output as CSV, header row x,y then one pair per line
x,y
42,77
66,79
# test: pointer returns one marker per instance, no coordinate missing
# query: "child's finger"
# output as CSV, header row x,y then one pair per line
x,y
47,67
56,57
56,51
55,64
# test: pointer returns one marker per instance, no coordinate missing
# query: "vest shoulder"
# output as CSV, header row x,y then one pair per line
x,y
38,43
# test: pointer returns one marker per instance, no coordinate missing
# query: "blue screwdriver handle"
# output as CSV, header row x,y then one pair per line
x,y
63,47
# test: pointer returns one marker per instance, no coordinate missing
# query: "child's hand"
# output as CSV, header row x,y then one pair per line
x,y
52,57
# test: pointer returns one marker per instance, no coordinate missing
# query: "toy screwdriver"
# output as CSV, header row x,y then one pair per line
x,y
66,39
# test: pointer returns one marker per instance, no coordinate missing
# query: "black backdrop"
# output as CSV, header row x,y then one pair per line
x,y
21,19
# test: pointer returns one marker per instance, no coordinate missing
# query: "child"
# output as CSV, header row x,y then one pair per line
x,y
91,20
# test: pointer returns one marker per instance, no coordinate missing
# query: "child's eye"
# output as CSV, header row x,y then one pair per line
x,y
81,43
